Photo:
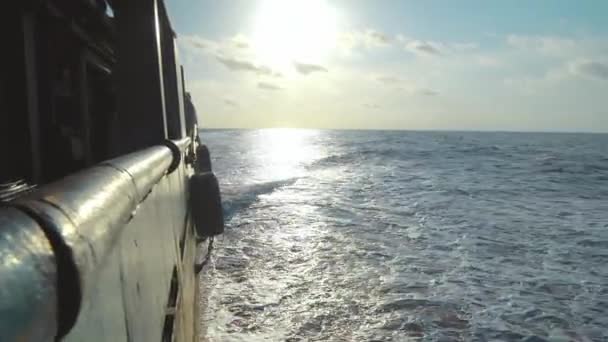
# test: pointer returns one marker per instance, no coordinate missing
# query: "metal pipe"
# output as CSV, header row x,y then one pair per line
x,y
28,277
84,214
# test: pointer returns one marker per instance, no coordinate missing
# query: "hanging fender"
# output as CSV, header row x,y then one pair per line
x,y
203,159
206,204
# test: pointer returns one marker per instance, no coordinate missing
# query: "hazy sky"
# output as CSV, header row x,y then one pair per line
x,y
397,64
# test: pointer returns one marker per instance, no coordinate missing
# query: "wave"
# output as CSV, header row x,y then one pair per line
x,y
332,160
584,169
236,200
355,156
477,150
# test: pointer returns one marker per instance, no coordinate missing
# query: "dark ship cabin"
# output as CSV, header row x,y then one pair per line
x,y
107,200
68,73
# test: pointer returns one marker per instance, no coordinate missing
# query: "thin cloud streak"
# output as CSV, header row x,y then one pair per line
x,y
590,69
235,64
268,86
429,92
425,48
306,69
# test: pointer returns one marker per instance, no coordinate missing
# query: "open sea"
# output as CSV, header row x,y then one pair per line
x,y
408,236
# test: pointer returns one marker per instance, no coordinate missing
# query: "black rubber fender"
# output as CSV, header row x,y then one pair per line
x,y
203,159
206,204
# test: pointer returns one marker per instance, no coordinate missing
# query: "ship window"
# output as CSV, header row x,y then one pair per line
x,y
64,140
171,81
109,10
77,108
101,111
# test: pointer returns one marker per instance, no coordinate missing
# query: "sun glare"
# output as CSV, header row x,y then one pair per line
x,y
283,151
288,31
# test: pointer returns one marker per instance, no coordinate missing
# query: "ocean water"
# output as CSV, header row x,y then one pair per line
x,y
409,236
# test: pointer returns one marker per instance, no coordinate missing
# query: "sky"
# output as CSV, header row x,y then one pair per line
x,y
396,64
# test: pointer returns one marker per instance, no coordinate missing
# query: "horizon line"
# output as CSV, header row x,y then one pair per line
x,y
434,130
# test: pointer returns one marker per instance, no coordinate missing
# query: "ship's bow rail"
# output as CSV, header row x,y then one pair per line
x,y
105,254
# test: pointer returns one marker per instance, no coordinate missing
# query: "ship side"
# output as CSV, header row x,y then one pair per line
x,y
107,200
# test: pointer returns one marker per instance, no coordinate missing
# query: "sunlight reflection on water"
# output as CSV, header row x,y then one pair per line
x,y
360,236
281,153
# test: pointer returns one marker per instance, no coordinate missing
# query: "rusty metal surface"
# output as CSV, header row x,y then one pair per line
x,y
27,280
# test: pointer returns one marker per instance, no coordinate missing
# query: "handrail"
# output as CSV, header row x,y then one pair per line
x,y
178,149
182,143
82,217
28,298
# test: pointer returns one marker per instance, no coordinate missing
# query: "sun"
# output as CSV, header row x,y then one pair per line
x,y
288,31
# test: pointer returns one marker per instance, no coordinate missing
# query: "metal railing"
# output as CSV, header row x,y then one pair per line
x,y
54,241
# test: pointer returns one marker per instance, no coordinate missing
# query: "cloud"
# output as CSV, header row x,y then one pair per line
x,y
373,37
268,86
537,84
230,103
235,64
434,48
545,44
369,38
423,48
306,69
225,46
591,69
194,42
429,92
234,53
240,41
415,90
